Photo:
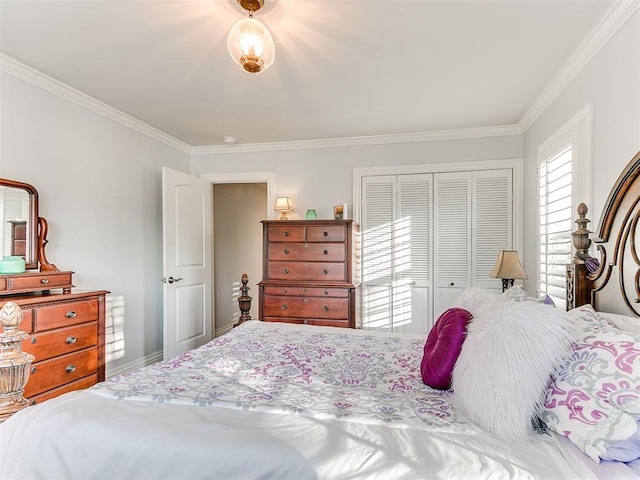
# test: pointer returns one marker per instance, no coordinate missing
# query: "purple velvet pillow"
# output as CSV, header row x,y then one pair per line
x,y
443,347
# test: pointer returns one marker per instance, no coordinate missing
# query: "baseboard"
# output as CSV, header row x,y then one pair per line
x,y
223,330
143,362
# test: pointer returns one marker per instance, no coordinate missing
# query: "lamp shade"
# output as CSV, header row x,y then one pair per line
x,y
251,46
283,205
508,266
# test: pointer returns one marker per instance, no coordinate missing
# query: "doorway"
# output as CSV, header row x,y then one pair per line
x,y
238,209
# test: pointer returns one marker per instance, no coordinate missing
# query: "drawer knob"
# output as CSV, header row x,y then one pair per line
x,y
284,306
286,234
306,321
70,314
326,234
34,340
326,293
325,308
34,370
452,284
286,252
44,280
70,368
286,270
325,271
284,292
70,340
326,252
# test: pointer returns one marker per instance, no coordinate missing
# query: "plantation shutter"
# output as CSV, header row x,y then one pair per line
x,y
555,223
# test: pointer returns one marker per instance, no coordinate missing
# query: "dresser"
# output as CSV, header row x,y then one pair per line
x,y
65,327
310,273
66,336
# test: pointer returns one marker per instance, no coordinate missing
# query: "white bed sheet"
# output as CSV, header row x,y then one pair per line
x,y
108,432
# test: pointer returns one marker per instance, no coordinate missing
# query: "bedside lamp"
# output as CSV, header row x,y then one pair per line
x,y
508,268
284,206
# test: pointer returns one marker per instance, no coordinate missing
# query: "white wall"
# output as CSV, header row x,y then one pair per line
x,y
611,80
99,184
322,178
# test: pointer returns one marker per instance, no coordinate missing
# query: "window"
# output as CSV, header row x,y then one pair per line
x,y
555,223
564,181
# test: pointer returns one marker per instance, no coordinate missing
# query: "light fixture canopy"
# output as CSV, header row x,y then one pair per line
x,y
249,43
284,206
508,268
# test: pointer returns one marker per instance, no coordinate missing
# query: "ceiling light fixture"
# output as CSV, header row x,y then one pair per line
x,y
250,43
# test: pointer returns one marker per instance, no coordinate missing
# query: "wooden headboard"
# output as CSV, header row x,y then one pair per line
x,y
615,286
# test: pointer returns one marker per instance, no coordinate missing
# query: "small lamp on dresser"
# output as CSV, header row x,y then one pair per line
x,y
14,363
508,268
284,206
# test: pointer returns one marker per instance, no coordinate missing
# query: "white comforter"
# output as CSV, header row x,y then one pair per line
x,y
272,401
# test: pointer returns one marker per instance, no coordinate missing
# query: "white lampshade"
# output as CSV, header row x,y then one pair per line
x,y
283,205
251,46
508,266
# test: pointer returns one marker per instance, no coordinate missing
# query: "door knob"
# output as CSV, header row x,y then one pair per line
x,y
172,280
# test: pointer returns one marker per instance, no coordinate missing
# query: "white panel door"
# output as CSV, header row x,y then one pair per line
x,y
452,234
492,223
187,250
412,254
377,234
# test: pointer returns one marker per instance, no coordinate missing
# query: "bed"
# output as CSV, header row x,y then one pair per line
x,y
284,401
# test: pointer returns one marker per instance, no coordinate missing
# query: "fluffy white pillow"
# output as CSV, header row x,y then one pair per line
x,y
501,377
473,299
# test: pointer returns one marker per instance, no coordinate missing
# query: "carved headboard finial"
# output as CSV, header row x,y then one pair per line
x,y
581,241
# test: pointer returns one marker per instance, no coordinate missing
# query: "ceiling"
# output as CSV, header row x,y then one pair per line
x,y
343,68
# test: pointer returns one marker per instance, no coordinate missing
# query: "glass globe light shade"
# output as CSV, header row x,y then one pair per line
x,y
251,46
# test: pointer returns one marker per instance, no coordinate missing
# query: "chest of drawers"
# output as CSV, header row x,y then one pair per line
x,y
66,336
310,273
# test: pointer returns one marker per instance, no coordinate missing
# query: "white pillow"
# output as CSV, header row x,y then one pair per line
x,y
622,322
501,377
475,298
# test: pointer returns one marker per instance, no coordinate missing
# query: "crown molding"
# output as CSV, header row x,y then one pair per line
x,y
615,18
458,134
34,77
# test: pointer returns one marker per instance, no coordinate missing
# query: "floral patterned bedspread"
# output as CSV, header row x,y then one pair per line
x,y
313,371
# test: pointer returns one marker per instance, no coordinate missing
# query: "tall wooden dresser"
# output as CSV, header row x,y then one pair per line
x,y
310,273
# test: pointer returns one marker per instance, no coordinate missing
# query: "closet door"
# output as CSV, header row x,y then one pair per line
x,y
452,237
397,252
377,236
492,223
412,290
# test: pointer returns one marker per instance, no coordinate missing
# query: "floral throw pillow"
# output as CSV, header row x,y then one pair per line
x,y
594,399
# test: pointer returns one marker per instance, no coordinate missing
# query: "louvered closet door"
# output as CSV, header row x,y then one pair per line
x,y
452,246
377,236
396,252
492,223
412,254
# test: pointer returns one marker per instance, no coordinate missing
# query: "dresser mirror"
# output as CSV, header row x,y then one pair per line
x,y
19,228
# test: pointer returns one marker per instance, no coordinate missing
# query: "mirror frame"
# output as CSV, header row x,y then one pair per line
x,y
31,257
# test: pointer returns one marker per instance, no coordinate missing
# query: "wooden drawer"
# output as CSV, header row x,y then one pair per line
x,y
38,281
323,252
61,341
306,307
58,371
286,233
64,314
326,233
308,291
69,387
310,321
307,271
